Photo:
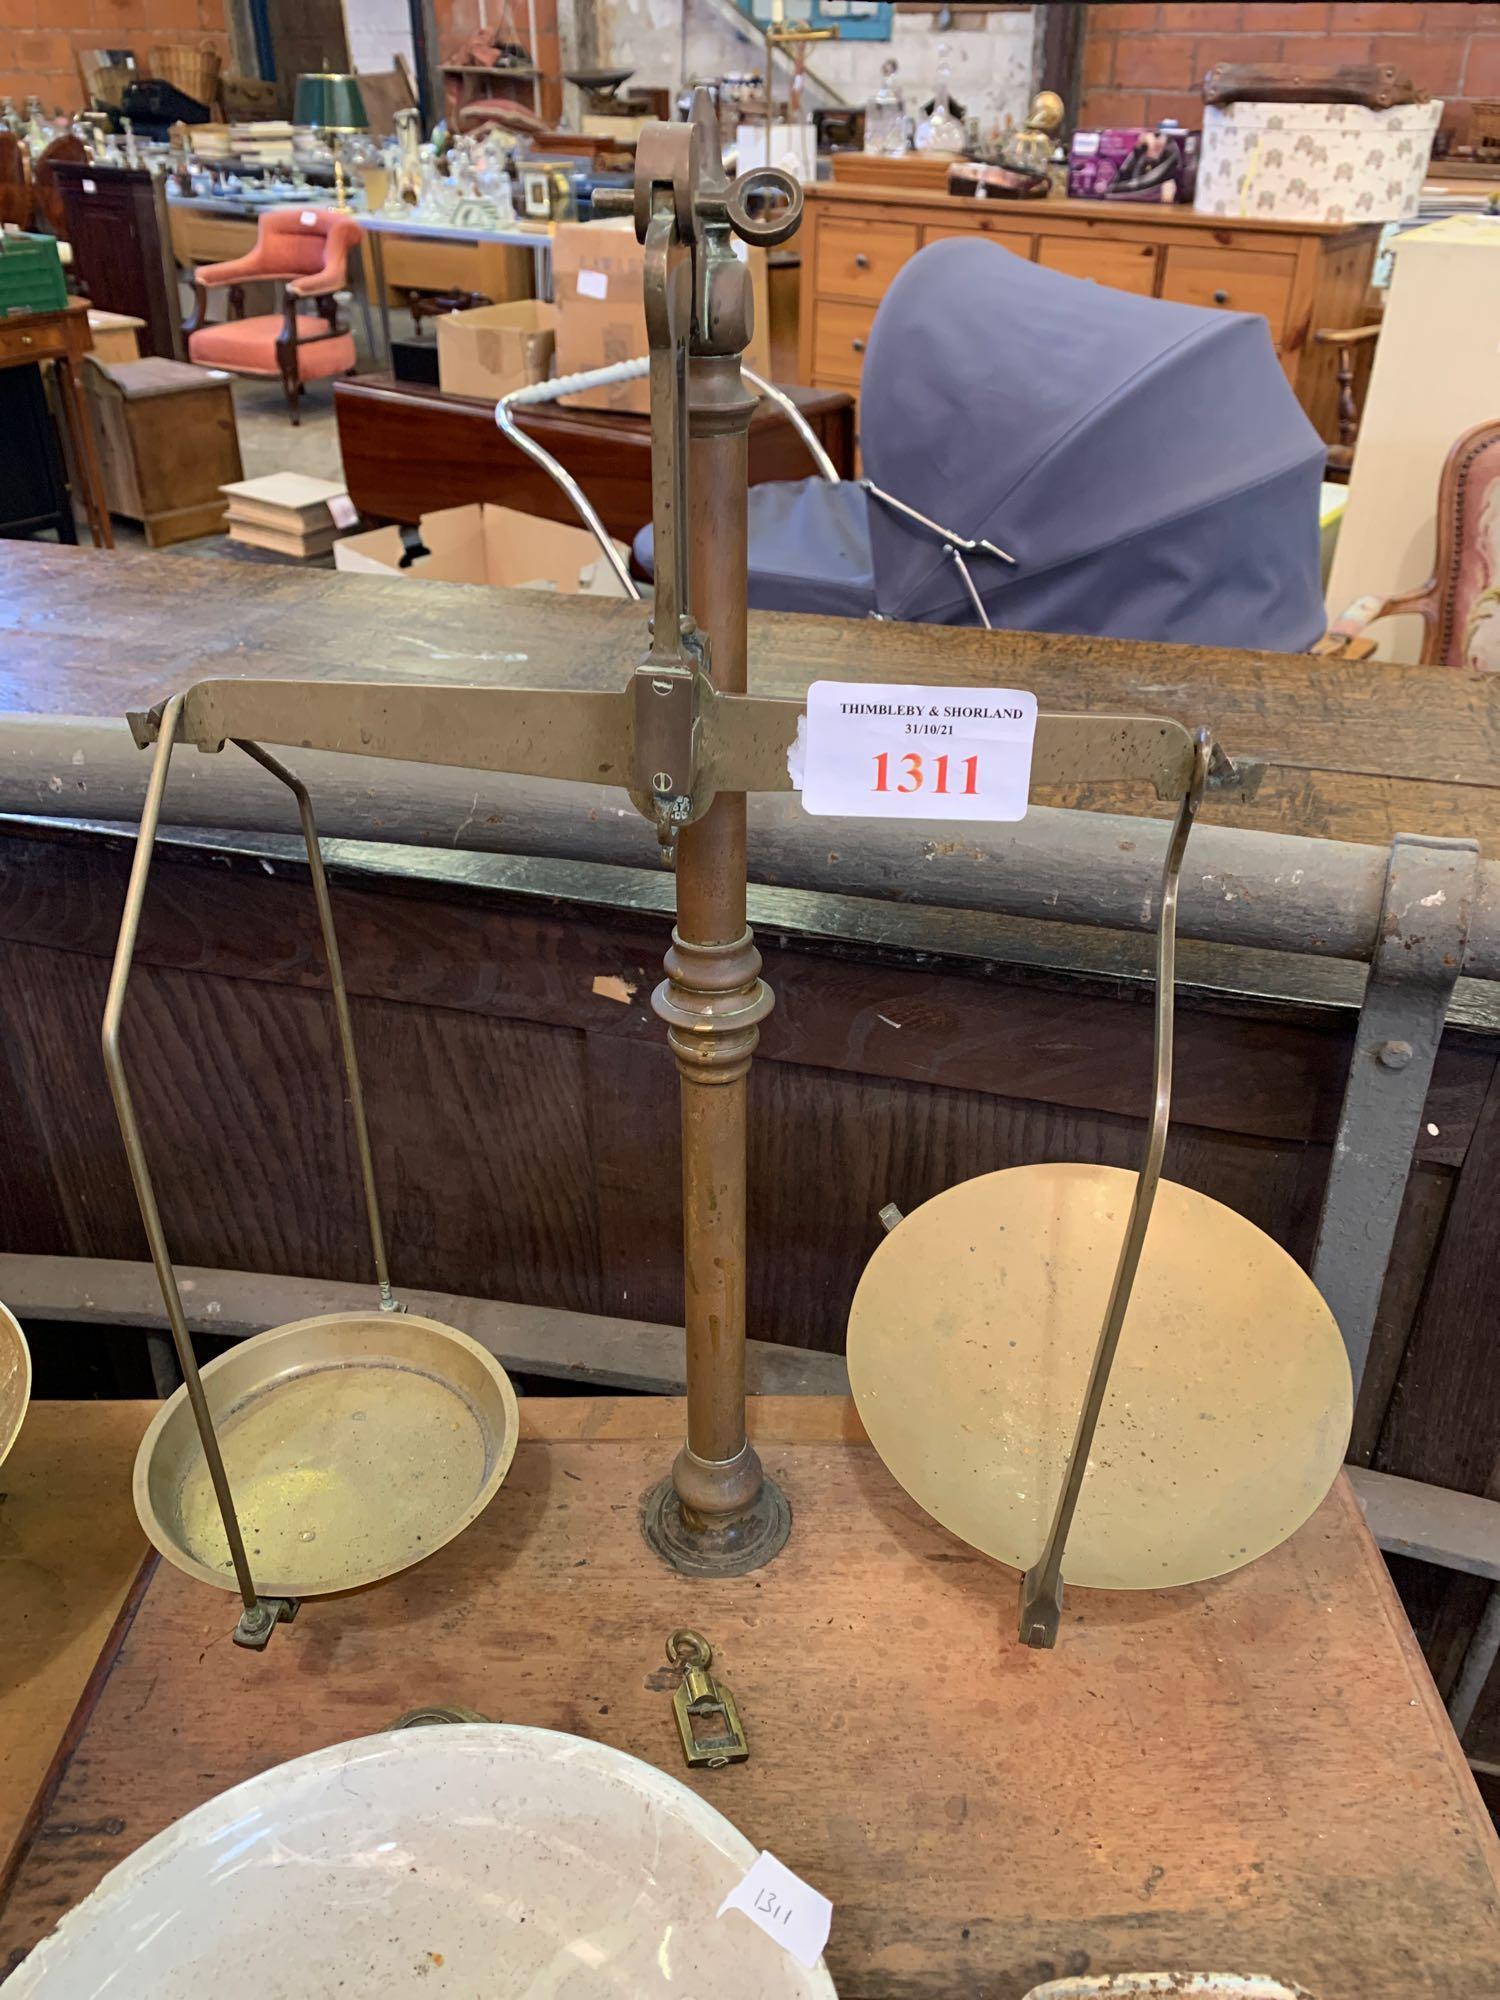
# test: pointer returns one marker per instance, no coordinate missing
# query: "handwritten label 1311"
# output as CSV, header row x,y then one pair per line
x,y
883,752
785,1907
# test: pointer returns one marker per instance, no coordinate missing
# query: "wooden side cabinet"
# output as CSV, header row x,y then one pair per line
x,y
167,441
1298,276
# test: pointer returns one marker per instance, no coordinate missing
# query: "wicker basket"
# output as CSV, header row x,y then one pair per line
x,y
195,72
104,80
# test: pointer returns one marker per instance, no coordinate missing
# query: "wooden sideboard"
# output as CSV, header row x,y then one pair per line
x,y
1299,275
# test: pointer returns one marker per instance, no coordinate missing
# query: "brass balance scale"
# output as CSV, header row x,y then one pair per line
x,y
996,1362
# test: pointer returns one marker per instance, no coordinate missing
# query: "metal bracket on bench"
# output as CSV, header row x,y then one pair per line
x,y
1419,953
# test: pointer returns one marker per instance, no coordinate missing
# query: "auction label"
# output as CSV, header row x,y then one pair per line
x,y
883,752
785,1907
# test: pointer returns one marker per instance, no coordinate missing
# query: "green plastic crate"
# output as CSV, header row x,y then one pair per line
x,y
31,275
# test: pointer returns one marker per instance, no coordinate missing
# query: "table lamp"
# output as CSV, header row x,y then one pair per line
x,y
332,105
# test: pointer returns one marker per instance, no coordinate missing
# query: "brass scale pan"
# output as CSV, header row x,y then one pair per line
x,y
15,1380
1228,1406
1090,1372
332,1452
1198,1430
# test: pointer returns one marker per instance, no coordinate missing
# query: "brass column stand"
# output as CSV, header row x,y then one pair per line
x,y
718,1514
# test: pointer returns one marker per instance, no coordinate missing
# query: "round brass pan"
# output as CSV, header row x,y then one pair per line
x,y
1227,1412
355,1445
15,1380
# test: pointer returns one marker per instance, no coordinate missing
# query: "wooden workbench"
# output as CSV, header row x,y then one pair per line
x,y
1253,1775
508,993
1358,752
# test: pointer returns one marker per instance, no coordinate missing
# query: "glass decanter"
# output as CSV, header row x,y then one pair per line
x,y
939,130
885,115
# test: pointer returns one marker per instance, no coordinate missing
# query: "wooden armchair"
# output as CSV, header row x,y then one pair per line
x,y
1459,605
51,208
308,250
1353,343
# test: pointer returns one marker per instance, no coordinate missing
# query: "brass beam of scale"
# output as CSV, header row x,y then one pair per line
x,y
676,743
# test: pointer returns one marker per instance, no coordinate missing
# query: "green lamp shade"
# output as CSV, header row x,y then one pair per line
x,y
330,103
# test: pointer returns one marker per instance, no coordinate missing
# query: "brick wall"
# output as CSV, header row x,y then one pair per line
x,y
1145,63
38,39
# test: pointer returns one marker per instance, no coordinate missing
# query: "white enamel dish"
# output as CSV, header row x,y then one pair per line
x,y
453,1862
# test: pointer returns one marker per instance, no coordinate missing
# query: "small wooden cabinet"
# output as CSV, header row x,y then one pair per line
x,y
167,441
1299,276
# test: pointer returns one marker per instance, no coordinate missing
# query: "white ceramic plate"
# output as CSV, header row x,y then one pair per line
x,y
473,1860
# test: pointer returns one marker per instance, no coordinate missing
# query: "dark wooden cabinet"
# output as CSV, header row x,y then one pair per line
x,y
122,248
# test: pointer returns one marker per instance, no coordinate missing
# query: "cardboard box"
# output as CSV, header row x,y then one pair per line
x,y
597,281
1316,162
491,350
487,544
601,313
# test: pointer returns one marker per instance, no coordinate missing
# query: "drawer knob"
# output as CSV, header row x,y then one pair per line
x,y
861,261
858,346
1221,298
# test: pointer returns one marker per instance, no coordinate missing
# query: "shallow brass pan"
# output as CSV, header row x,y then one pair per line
x,y
355,1445
1228,1407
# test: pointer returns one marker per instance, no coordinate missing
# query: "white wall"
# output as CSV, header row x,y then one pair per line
x,y
377,30
676,41
995,55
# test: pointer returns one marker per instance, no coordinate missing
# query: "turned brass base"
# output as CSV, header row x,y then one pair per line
x,y
738,1546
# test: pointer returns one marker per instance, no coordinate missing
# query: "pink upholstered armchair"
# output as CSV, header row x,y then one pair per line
x,y
308,249
1459,605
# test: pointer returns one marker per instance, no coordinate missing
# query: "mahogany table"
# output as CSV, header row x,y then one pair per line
x,y
409,449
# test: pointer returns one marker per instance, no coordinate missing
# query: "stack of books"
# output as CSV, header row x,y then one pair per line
x,y
265,142
289,512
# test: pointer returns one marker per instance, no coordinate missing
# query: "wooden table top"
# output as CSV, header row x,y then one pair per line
x,y
1359,752
59,330
1148,215
69,1546
75,312
1251,1775
634,424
